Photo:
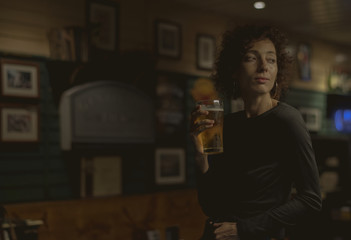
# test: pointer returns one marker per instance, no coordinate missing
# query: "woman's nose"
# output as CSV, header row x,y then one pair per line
x,y
263,65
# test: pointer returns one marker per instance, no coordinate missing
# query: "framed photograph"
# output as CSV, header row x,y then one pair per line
x,y
102,22
312,117
19,124
170,166
19,78
168,39
205,51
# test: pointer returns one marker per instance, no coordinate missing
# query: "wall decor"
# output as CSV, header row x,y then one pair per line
x,y
170,166
102,22
339,81
101,176
168,39
312,117
304,61
19,78
170,108
205,51
19,123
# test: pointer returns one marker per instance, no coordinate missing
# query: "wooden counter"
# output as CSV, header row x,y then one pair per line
x,y
119,217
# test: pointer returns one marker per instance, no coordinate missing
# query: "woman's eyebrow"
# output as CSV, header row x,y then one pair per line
x,y
256,52
271,52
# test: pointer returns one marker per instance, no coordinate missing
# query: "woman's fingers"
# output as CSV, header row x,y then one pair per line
x,y
201,125
196,125
225,230
197,113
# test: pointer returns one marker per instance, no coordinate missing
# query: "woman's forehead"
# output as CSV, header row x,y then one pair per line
x,y
261,44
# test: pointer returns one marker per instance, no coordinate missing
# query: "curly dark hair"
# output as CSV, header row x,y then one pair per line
x,y
234,45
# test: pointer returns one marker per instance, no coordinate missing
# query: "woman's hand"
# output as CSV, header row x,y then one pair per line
x,y
225,231
197,126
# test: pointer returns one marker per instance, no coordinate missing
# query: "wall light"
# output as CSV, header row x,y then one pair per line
x,y
259,5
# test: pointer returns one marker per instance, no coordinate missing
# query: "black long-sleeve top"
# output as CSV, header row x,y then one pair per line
x,y
251,181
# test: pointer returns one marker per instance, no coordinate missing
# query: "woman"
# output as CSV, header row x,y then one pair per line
x,y
267,149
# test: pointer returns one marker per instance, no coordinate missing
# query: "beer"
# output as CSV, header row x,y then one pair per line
x,y
212,138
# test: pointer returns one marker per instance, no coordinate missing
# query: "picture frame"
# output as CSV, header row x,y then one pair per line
x,y
205,51
304,61
103,26
19,78
312,118
19,123
169,166
168,39
170,108
101,176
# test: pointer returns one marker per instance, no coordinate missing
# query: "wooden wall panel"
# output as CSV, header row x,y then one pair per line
x,y
192,21
24,24
35,172
133,25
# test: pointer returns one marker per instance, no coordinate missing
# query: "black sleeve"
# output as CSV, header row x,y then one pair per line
x,y
207,185
304,174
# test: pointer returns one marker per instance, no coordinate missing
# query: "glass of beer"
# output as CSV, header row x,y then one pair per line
x,y
212,138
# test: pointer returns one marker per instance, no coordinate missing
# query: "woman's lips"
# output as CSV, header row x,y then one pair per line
x,y
261,80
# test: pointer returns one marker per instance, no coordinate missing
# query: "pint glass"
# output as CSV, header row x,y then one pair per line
x,y
212,138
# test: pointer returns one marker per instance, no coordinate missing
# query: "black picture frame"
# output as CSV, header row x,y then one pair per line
x,y
205,51
168,39
102,20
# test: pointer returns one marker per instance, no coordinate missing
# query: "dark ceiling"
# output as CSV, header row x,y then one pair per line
x,y
329,20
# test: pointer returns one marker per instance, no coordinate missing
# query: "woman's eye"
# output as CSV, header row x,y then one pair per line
x,y
250,58
271,60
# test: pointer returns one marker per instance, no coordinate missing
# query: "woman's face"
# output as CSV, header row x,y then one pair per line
x,y
259,69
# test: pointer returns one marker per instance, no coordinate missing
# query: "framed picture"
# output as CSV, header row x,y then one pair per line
x,y
168,39
102,22
170,166
304,61
205,51
312,117
170,108
19,78
19,124
101,176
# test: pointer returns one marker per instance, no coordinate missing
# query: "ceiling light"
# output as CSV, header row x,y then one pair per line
x,y
259,5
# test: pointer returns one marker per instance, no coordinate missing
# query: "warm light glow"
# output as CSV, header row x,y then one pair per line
x,y
340,58
259,5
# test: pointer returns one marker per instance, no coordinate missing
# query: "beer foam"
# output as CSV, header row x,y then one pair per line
x,y
211,108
